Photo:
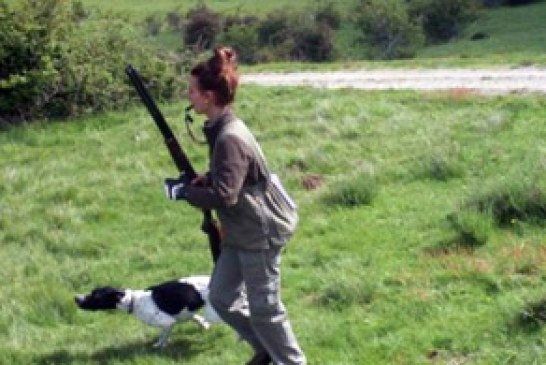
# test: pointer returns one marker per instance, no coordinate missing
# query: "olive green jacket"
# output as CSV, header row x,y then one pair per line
x,y
254,212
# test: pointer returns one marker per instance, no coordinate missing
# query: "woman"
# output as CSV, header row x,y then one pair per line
x,y
256,216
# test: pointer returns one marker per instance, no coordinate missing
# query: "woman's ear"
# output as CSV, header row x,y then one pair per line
x,y
210,97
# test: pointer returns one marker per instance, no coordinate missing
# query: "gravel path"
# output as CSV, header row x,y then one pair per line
x,y
488,81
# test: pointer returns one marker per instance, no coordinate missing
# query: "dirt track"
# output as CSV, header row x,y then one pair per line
x,y
492,81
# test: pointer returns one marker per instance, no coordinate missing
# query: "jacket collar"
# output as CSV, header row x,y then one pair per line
x,y
212,127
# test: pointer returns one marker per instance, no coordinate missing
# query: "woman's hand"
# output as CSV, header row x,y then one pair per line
x,y
200,180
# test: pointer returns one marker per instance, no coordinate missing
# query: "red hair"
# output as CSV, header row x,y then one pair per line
x,y
219,75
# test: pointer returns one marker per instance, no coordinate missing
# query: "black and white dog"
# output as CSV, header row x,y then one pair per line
x,y
161,305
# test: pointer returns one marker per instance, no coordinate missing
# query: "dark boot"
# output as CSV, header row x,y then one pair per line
x,y
262,358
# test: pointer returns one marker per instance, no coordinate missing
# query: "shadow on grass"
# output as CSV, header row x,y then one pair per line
x,y
180,349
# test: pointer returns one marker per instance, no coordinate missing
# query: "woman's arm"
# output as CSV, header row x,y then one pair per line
x,y
230,163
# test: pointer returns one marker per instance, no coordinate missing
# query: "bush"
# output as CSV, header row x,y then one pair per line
x,y
313,43
274,30
27,68
54,63
388,29
328,15
241,33
472,228
360,190
443,20
439,166
522,201
293,36
244,39
202,27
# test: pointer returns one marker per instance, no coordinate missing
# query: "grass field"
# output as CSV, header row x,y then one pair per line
x,y
403,255
382,283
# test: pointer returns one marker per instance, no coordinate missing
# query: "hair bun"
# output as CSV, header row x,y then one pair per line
x,y
224,60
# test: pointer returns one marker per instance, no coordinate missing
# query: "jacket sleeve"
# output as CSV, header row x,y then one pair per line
x,y
229,167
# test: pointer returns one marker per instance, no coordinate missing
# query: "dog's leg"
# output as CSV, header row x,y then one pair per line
x,y
163,337
201,321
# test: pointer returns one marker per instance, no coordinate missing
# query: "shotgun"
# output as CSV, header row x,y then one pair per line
x,y
209,225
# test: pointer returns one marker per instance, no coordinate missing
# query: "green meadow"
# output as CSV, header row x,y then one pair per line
x,y
376,273
423,241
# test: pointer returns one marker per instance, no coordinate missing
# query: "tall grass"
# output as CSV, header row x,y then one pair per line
x,y
366,281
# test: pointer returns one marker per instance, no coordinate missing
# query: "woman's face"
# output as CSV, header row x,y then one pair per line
x,y
201,100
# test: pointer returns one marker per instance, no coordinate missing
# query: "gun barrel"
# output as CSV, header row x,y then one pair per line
x,y
178,156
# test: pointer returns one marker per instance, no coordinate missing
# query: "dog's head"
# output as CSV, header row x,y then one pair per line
x,y
100,299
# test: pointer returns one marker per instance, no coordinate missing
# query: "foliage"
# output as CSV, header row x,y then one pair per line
x,y
57,60
387,27
517,201
359,190
443,20
244,39
507,205
329,15
295,36
472,228
26,59
202,27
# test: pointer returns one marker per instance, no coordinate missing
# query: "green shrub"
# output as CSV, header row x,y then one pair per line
x,y
327,14
313,43
472,228
57,60
357,191
244,39
443,20
294,36
202,27
519,201
439,167
503,206
274,30
27,69
388,29
241,33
